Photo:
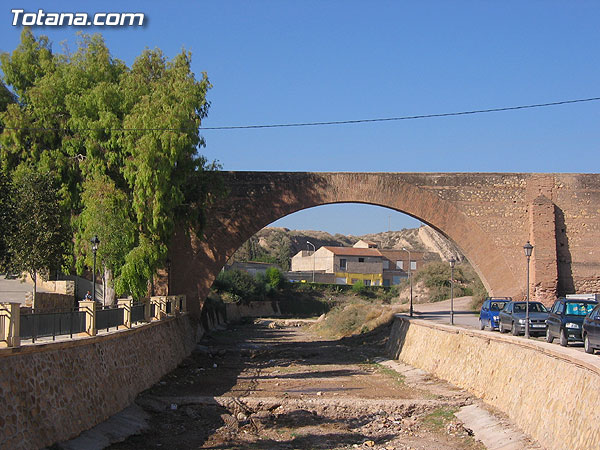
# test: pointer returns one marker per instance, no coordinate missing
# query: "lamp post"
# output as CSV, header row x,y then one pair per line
x,y
168,276
95,241
314,251
528,250
409,282
452,263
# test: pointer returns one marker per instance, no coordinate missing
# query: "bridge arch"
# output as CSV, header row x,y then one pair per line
x,y
258,199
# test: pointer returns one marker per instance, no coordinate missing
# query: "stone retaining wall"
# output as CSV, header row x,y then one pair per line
x,y
53,392
549,394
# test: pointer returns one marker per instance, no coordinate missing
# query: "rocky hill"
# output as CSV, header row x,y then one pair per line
x,y
273,244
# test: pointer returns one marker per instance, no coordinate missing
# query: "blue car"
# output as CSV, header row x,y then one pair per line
x,y
488,316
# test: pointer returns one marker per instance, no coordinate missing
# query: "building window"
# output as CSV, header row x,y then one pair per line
x,y
400,265
342,264
396,280
386,281
367,282
413,265
386,264
361,259
354,280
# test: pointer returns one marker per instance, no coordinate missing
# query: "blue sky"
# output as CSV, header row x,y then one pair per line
x,y
284,61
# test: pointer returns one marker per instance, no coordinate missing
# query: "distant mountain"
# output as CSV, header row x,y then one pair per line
x,y
278,245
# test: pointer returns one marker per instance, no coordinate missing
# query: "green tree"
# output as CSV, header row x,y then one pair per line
x,y
6,220
96,124
106,215
38,242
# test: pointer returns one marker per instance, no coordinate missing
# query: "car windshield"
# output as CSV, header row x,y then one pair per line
x,y
533,307
497,306
579,308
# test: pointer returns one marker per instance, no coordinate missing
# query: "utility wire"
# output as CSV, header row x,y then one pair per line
x,y
335,122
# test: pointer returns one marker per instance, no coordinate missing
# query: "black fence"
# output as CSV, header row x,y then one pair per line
x,y
109,317
137,313
169,308
51,323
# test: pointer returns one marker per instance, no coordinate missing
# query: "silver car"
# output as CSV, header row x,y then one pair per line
x,y
512,318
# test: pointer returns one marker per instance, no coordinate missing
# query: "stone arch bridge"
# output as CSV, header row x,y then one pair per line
x,y
489,216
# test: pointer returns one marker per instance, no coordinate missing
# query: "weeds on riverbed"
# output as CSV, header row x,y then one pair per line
x,y
355,318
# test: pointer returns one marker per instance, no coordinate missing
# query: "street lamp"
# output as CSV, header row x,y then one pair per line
x,y
410,282
168,276
314,251
528,250
452,263
95,241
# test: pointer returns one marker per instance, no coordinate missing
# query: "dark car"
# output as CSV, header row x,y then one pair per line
x,y
566,319
591,330
488,316
512,318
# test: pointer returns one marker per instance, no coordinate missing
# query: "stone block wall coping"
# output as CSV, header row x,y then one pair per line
x,y
589,362
80,340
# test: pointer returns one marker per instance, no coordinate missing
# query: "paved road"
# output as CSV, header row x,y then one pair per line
x,y
465,317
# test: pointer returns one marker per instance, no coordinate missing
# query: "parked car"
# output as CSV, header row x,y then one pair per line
x,y
566,319
591,330
488,316
512,318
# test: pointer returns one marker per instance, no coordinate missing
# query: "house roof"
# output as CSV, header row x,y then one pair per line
x,y
354,251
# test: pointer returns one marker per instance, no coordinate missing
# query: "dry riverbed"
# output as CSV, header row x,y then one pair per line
x,y
270,386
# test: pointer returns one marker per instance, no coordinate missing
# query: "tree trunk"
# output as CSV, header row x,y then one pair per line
x,y
34,277
109,290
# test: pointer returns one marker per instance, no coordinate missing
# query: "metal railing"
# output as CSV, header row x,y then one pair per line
x,y
137,313
36,324
109,317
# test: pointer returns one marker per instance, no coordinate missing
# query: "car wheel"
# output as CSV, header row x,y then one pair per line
x,y
501,328
549,337
587,346
563,338
514,330
481,324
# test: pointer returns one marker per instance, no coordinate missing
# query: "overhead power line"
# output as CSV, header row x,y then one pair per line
x,y
389,119
333,122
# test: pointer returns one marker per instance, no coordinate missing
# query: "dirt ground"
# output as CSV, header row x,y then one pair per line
x,y
268,385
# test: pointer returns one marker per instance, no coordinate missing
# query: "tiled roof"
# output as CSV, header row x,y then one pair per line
x,y
353,251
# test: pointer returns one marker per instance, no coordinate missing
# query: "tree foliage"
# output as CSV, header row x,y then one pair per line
x,y
121,143
38,239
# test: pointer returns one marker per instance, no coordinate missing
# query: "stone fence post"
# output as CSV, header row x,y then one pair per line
x,y
126,304
160,307
89,307
10,321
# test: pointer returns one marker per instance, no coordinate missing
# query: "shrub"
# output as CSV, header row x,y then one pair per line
x,y
359,288
274,277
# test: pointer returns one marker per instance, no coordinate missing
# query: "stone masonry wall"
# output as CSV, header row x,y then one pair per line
x,y
53,392
549,395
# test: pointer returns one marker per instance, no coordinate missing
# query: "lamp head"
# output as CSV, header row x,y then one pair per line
x,y
528,249
452,261
95,241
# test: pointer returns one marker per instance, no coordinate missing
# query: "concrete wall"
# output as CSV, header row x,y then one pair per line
x,y
550,395
53,392
322,260
51,300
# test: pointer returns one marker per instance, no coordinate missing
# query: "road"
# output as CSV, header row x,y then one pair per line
x,y
466,318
